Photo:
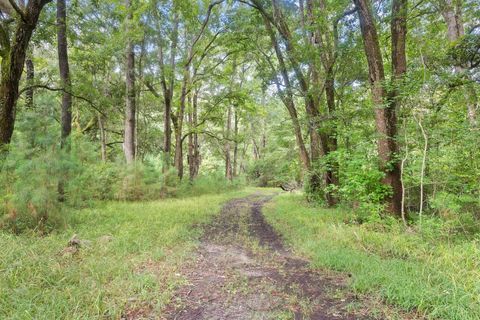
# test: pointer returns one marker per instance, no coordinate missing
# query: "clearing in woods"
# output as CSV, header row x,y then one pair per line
x,y
242,270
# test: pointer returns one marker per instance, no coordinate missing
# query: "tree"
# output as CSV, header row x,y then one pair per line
x,y
13,51
385,106
130,113
66,85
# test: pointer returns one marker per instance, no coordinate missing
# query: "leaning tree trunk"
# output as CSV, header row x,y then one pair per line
x,y
129,130
287,98
66,117
385,116
13,52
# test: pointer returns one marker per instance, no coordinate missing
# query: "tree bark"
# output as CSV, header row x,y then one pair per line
x,y
103,137
129,129
385,115
178,122
62,46
287,97
13,52
228,160
235,146
331,174
325,41
167,80
29,94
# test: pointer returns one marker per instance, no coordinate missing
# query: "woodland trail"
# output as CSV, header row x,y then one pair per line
x,y
243,270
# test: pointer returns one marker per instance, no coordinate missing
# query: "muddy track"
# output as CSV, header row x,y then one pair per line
x,y
242,270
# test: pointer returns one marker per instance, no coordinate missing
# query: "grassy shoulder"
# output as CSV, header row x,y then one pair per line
x,y
127,265
416,270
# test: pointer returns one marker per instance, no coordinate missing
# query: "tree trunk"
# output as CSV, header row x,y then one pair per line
x,y
228,160
235,146
129,130
13,52
196,146
193,152
385,115
168,79
399,69
179,123
29,94
191,149
62,46
287,99
331,174
103,137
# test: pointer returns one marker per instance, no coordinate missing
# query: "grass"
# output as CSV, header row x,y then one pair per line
x,y
133,271
437,277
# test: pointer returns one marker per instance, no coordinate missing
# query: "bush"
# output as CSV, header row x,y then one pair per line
x,y
459,212
30,193
361,186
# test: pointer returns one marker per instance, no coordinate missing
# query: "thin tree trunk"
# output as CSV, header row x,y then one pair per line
x,y
235,146
66,118
424,161
29,94
103,137
66,85
402,175
129,129
331,174
228,160
179,123
168,79
138,96
191,148
196,146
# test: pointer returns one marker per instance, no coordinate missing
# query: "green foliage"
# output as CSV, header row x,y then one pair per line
x,y
461,213
361,185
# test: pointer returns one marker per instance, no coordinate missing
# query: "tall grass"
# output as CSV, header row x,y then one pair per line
x,y
422,270
128,262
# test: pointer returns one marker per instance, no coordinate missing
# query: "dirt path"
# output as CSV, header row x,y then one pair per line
x,y
243,271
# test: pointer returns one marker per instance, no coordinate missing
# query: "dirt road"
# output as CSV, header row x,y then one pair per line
x,y
243,270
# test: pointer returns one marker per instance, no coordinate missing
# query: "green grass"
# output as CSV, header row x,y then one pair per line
x,y
438,278
135,270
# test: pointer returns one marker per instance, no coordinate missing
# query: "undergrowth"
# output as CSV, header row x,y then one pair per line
x,y
429,268
127,260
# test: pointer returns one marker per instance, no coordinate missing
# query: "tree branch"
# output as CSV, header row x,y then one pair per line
x,y
46,87
18,10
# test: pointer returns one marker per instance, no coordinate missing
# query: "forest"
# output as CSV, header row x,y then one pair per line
x,y
240,159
